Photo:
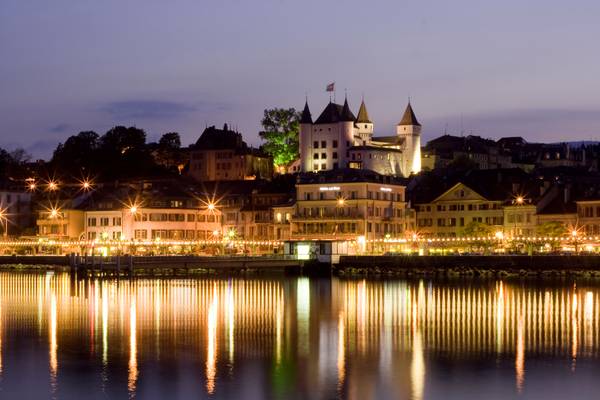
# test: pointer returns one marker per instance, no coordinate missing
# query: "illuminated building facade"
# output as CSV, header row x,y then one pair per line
x,y
338,139
222,155
449,214
346,204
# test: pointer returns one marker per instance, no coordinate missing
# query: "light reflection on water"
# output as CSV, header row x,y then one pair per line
x,y
296,338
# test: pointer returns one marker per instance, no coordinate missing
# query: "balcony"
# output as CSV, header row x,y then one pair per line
x,y
347,216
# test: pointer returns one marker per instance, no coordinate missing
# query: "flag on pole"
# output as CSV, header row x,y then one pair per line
x,y
330,87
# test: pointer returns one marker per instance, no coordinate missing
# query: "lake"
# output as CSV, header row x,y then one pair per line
x,y
296,338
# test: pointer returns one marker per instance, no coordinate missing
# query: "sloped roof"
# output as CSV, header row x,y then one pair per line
x,y
409,117
306,118
347,115
363,115
217,139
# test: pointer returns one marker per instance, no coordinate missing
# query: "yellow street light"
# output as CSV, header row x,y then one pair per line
x,y
341,201
520,200
211,206
574,233
52,185
133,209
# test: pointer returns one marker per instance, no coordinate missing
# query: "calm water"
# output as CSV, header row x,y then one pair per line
x,y
297,338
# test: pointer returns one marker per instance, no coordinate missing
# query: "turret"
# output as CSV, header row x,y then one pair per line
x,y
363,123
305,138
409,129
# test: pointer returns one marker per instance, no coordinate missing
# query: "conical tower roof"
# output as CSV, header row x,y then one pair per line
x,y
409,117
363,115
306,118
346,114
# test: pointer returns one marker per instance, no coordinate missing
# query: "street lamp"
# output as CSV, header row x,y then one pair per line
x,y
4,218
52,185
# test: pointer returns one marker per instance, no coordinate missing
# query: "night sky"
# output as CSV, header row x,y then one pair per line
x,y
501,68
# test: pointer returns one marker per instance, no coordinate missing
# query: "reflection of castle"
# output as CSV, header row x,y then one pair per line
x,y
338,139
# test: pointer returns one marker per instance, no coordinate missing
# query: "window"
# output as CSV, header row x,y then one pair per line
x,y
104,221
323,144
323,166
335,156
316,144
323,156
117,221
191,217
315,167
316,156
334,144
335,165
91,221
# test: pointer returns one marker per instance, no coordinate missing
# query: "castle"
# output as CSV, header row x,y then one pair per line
x,y
338,139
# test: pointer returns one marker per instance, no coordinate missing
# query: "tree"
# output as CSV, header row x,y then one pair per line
x,y
79,152
281,129
477,229
552,229
168,151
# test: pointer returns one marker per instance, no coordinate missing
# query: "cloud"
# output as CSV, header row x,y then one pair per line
x,y
60,128
147,109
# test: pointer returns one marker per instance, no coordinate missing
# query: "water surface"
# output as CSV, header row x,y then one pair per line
x,y
297,338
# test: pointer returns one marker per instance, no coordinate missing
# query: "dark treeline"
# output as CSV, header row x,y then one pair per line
x,y
120,153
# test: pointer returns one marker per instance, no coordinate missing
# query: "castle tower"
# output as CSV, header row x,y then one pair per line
x,y
363,124
305,138
347,130
409,129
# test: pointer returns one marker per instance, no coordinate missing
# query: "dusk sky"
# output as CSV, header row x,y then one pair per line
x,y
507,67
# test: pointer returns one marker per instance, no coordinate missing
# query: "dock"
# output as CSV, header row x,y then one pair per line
x,y
153,265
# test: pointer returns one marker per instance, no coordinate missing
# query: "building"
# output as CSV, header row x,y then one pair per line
x,y
338,139
348,204
222,155
139,211
61,224
15,210
453,212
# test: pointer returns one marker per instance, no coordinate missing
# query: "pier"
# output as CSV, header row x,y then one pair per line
x,y
153,265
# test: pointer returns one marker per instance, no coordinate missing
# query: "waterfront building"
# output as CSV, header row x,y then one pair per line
x,y
140,211
61,223
15,209
222,155
520,218
338,139
457,211
350,204
588,216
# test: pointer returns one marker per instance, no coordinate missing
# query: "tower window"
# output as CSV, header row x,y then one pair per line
x,y
365,126
316,144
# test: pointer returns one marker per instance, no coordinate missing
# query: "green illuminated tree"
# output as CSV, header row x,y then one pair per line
x,y
477,229
552,229
280,133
